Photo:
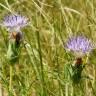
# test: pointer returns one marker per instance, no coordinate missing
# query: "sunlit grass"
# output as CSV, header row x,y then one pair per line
x,y
43,68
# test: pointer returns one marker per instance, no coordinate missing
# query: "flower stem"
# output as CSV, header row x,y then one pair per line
x,y
10,82
66,90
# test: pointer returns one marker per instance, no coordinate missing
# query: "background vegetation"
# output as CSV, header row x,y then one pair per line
x,y
42,69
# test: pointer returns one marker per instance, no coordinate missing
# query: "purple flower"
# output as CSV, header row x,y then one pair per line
x,y
79,45
15,22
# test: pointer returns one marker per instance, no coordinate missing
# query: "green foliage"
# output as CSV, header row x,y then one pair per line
x,y
76,73
13,51
43,65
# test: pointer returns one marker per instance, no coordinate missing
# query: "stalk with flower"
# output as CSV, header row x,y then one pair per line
x,y
14,23
80,46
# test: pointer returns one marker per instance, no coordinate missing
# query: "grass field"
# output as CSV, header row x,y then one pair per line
x,y
43,67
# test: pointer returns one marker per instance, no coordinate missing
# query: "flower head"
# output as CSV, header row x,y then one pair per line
x,y
15,22
79,45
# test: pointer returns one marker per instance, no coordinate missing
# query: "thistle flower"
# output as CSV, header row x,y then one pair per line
x,y
15,22
80,45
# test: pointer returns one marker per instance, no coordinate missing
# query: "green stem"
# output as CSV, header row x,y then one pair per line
x,y
10,82
66,89
41,64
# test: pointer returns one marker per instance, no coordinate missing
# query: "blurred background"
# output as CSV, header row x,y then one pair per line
x,y
43,65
